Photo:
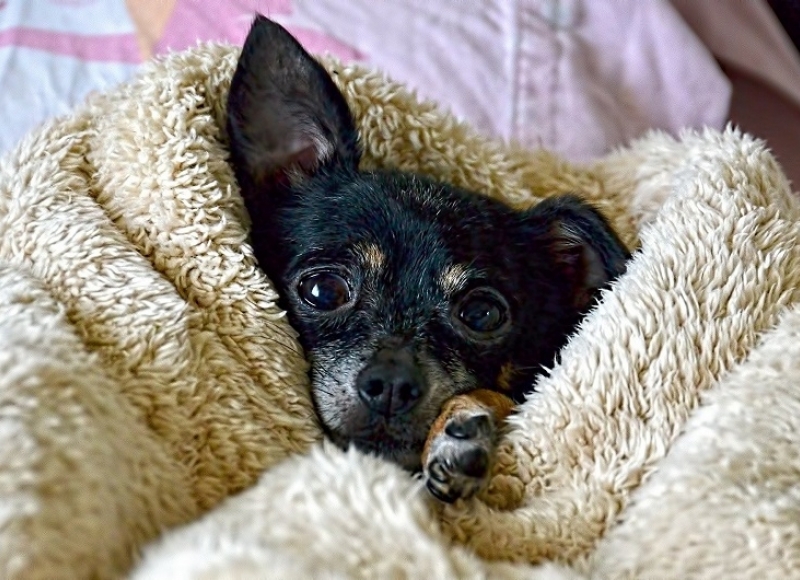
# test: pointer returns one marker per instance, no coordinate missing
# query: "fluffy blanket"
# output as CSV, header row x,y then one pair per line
x,y
148,380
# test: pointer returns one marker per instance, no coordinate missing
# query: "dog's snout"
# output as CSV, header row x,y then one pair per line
x,y
390,384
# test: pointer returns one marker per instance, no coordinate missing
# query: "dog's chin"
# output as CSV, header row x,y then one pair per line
x,y
405,453
409,459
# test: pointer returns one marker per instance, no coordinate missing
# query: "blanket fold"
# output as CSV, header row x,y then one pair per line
x,y
147,376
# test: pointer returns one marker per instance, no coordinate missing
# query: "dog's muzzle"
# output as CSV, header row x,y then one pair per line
x,y
391,383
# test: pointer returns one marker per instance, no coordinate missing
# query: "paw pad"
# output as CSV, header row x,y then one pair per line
x,y
459,458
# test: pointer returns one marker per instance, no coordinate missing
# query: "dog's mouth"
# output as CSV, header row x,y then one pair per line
x,y
401,444
406,456
385,407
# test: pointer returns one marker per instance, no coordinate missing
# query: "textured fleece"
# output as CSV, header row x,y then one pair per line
x,y
147,376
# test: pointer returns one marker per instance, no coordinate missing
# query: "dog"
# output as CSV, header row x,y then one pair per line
x,y
426,311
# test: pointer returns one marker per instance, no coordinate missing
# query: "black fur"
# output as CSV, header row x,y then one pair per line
x,y
393,236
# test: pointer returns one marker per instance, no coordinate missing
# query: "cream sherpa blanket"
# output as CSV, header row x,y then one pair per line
x,y
146,375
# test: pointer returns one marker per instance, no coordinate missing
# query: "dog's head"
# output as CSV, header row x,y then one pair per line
x,y
405,291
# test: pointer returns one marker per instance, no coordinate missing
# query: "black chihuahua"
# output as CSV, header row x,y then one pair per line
x,y
426,311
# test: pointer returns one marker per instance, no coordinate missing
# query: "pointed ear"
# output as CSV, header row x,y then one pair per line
x,y
286,118
583,247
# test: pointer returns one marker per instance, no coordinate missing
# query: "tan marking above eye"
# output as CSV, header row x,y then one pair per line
x,y
453,278
371,255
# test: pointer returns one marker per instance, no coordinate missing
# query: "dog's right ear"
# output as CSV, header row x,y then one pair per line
x,y
286,117
585,251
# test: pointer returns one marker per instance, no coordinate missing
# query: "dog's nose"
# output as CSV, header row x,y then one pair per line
x,y
391,383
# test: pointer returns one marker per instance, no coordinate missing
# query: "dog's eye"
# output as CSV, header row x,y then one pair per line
x,y
324,290
483,310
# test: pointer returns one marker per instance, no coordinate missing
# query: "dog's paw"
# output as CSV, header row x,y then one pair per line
x,y
460,455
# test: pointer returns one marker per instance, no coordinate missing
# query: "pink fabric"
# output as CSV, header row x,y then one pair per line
x,y
228,22
577,76
218,21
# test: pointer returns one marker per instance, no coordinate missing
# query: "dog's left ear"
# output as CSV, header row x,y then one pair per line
x,y
585,251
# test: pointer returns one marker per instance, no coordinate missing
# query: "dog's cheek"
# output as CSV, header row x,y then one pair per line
x,y
474,369
445,376
333,376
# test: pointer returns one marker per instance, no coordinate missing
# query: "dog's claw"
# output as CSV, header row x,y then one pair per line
x,y
459,459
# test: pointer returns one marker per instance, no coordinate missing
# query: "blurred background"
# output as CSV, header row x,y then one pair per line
x,y
579,77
